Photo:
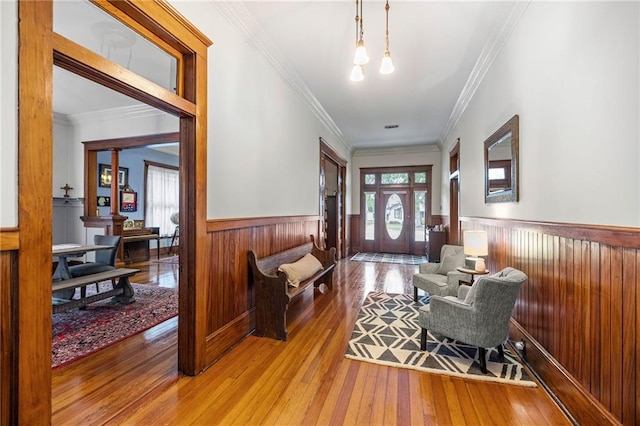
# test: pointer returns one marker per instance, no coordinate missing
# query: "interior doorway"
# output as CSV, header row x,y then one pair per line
x,y
333,170
454,194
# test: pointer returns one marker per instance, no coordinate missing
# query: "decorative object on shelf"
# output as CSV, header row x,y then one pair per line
x,y
475,245
66,189
103,201
104,176
361,56
128,199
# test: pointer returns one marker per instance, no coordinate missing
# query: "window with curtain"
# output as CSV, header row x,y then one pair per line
x,y
162,197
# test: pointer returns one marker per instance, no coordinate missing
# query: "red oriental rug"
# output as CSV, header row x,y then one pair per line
x,y
79,333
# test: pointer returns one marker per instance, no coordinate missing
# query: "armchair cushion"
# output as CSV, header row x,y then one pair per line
x,y
441,278
450,262
428,268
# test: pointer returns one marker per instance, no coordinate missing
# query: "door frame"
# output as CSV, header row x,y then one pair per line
x,y
39,47
328,154
455,226
417,248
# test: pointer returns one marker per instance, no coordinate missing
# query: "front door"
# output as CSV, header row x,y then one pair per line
x,y
395,209
396,225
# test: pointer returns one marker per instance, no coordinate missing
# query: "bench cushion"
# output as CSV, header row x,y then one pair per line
x,y
300,270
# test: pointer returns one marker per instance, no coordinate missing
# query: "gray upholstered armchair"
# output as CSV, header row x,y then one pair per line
x,y
480,314
441,279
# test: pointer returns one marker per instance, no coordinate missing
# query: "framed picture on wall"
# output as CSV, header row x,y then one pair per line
x,y
128,201
104,176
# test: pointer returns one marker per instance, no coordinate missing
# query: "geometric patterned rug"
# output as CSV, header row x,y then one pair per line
x,y
404,259
386,332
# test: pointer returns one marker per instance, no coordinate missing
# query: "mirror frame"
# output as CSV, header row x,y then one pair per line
x,y
511,195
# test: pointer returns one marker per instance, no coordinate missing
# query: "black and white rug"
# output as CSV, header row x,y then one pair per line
x,y
386,332
404,259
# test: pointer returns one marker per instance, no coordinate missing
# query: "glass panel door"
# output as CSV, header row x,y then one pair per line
x,y
396,212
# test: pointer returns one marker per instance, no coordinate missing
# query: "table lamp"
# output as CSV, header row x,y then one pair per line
x,y
475,245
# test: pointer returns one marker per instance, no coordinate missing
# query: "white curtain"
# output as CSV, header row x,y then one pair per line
x,y
162,198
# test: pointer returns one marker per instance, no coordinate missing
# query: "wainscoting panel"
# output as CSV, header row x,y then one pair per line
x,y
8,270
231,299
580,305
355,234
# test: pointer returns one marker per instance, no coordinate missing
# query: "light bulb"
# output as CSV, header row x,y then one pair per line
x,y
361,57
387,64
356,73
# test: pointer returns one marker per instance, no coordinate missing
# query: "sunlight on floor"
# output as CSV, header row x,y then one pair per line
x,y
393,282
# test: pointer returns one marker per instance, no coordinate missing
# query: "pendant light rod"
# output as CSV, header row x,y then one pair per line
x,y
386,67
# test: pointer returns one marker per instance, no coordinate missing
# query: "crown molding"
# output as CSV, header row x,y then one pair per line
x,y
61,119
413,149
127,112
489,53
238,15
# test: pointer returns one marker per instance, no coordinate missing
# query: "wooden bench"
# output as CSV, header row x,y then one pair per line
x,y
272,292
122,291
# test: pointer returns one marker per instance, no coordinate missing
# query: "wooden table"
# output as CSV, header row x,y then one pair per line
x,y
471,272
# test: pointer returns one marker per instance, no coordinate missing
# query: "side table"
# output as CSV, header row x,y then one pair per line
x,y
471,272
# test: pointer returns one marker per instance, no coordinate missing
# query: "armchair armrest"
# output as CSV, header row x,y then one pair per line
x,y
463,290
428,268
454,278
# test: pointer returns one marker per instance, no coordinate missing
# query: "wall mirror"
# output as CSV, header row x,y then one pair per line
x,y
501,164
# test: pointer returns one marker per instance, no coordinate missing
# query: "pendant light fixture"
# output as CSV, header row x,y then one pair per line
x,y
387,64
361,57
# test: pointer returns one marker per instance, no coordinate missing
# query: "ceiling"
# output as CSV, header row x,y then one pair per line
x,y
435,46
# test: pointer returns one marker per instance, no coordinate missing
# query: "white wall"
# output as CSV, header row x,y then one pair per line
x,y
263,153
9,113
571,71
395,157
109,125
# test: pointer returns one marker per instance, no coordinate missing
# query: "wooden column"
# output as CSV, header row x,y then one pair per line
x,y
115,175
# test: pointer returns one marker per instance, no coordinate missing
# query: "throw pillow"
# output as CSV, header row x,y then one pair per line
x,y
450,263
301,269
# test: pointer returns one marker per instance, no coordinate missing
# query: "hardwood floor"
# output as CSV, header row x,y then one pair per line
x,y
306,380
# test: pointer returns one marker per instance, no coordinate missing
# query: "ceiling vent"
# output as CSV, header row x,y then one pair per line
x,y
391,126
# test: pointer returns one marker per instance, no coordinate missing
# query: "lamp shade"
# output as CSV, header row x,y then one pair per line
x,y
356,73
475,243
387,64
361,57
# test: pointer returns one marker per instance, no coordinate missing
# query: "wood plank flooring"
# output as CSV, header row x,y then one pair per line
x,y
304,381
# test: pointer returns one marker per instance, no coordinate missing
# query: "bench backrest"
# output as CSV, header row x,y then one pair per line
x,y
270,263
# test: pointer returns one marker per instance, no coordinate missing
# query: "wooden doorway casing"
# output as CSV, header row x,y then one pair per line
x,y
329,156
411,188
39,49
454,194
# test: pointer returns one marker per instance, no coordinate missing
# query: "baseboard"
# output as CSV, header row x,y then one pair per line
x,y
578,402
230,335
